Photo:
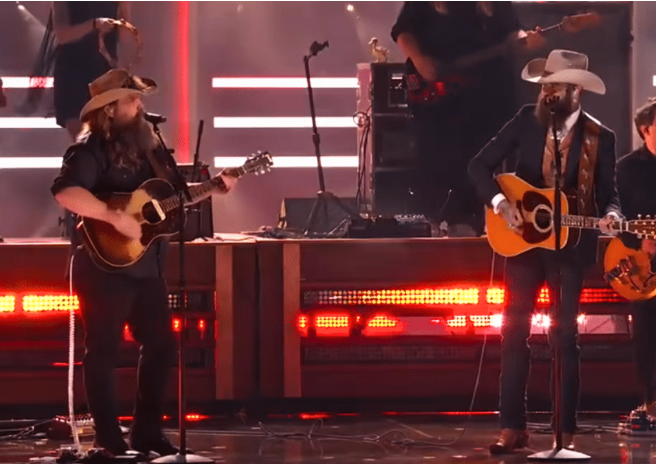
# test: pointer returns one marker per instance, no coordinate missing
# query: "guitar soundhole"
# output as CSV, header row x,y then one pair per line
x,y
150,213
542,218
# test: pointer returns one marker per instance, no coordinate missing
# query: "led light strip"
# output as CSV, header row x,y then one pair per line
x,y
28,123
291,161
281,122
11,82
284,82
31,162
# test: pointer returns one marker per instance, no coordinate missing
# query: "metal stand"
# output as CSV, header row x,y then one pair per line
x,y
558,453
183,195
324,198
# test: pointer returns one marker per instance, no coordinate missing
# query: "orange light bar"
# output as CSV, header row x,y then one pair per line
x,y
442,296
411,297
196,417
7,303
50,303
457,321
177,324
381,325
303,325
332,324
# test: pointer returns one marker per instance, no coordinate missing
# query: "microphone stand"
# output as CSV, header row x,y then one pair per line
x,y
195,177
323,196
183,194
558,453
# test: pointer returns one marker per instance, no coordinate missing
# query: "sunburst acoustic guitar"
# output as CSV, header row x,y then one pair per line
x,y
156,206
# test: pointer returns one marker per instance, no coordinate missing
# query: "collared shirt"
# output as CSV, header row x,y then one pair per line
x,y
88,165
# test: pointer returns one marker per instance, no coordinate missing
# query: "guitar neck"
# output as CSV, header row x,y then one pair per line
x,y
200,191
587,222
494,51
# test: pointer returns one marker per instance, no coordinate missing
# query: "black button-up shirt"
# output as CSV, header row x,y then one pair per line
x,y
88,165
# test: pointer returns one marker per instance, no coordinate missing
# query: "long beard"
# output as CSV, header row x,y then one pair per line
x,y
132,140
561,111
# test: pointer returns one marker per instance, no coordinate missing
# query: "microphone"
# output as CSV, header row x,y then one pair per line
x,y
316,47
154,118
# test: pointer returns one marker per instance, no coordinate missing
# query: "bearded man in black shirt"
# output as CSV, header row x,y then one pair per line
x,y
112,155
636,172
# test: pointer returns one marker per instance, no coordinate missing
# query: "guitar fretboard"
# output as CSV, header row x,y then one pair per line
x,y
587,222
198,192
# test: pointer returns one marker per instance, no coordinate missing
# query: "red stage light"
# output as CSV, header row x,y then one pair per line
x,y
382,325
49,303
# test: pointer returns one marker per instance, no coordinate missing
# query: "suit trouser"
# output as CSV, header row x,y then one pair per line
x,y
525,275
107,302
644,345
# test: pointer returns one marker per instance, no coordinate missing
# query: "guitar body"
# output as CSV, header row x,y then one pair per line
x,y
110,249
536,207
629,271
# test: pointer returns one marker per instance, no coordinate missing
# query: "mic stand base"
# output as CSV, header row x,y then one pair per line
x,y
324,199
180,458
562,454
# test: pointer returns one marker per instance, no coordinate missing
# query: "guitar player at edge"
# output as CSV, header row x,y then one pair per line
x,y
635,183
112,154
588,172
432,35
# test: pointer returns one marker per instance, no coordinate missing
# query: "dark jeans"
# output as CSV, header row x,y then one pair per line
x,y
107,302
525,275
644,345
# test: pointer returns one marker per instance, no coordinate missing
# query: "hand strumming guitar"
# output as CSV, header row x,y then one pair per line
x,y
510,213
126,224
426,67
532,40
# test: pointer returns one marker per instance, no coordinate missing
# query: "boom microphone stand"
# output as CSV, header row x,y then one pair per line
x,y
558,453
182,191
323,197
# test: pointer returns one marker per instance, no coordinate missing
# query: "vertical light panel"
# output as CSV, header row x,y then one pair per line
x,y
182,52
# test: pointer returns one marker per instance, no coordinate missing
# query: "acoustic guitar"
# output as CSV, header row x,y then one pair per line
x,y
454,76
537,209
156,207
629,271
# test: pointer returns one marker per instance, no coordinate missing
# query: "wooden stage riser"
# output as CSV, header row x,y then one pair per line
x,y
254,349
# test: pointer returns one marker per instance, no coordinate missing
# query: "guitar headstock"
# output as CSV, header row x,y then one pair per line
x,y
579,22
258,163
643,227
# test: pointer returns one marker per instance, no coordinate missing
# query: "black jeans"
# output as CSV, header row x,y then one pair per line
x,y
525,275
644,345
107,302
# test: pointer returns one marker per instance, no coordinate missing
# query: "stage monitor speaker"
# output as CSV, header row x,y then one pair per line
x,y
199,216
294,213
393,143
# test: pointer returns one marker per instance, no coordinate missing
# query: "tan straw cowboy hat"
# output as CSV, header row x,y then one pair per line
x,y
563,67
114,85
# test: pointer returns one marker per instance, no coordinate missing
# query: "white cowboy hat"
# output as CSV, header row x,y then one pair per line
x,y
563,67
114,85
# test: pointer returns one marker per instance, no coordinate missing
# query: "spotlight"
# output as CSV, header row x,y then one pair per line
x,y
350,8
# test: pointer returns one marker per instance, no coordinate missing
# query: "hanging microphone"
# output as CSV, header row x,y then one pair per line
x,y
316,47
154,118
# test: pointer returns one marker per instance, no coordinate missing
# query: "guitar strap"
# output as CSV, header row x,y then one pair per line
x,y
587,161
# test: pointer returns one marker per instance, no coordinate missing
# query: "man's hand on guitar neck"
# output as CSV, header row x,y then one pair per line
x,y
228,181
510,213
532,40
606,224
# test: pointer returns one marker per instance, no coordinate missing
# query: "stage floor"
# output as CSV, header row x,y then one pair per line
x,y
397,439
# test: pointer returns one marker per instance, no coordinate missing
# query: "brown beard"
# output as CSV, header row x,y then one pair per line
x,y
562,110
131,140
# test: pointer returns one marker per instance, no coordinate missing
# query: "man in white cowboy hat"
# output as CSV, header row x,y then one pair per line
x,y
588,173
112,156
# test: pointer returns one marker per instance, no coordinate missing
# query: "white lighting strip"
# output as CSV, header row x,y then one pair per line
x,y
292,161
11,82
48,162
281,122
28,123
284,82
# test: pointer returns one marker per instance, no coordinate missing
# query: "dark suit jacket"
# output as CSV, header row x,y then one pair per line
x,y
524,137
